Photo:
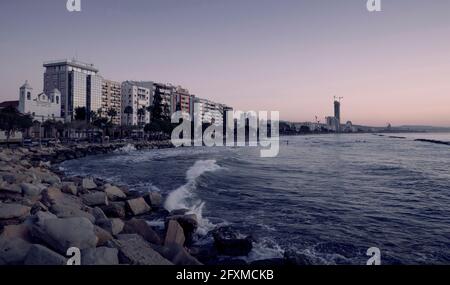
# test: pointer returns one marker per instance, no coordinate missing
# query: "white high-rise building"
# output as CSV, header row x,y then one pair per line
x,y
135,101
41,106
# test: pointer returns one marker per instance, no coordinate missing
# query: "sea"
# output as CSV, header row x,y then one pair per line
x,y
327,197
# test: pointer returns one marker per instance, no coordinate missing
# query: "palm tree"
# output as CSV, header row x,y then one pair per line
x,y
129,111
141,113
112,113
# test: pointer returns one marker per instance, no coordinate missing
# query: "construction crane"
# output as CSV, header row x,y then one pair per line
x,y
338,98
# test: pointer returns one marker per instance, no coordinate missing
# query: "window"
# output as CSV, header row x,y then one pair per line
x,y
57,99
28,95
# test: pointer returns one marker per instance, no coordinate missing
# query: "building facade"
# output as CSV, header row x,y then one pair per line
x,y
41,106
135,101
79,84
210,112
111,100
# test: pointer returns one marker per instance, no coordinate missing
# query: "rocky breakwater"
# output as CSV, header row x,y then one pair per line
x,y
43,214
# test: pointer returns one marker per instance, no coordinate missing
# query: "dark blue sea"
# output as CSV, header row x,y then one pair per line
x,y
329,197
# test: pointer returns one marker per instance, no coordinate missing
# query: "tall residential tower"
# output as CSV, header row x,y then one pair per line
x,y
79,84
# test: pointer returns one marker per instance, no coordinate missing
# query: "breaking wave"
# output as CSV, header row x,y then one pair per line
x,y
183,197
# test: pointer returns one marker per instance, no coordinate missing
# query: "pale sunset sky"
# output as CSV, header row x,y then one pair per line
x,y
291,56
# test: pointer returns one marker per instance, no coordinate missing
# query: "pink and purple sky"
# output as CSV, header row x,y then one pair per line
x,y
291,56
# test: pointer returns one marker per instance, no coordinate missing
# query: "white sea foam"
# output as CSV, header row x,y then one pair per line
x,y
183,196
265,248
126,149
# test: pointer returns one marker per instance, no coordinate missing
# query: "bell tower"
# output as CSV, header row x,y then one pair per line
x,y
25,96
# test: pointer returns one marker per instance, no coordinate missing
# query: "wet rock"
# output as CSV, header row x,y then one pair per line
x,y
95,199
177,254
13,211
61,234
100,256
188,222
138,206
13,251
134,250
174,234
88,184
154,199
228,242
40,255
140,227
114,193
294,258
115,210
273,262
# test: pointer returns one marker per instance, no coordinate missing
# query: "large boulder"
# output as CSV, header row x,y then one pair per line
x,y
95,199
114,193
69,188
140,227
229,242
61,234
174,234
177,254
138,206
134,250
154,199
11,188
115,210
69,211
88,184
32,190
40,255
13,211
117,226
100,256
103,236
188,222
21,231
13,251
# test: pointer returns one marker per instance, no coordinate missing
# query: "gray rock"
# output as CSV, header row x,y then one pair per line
x,y
32,190
13,211
188,222
114,193
103,236
95,199
138,206
41,216
13,188
13,251
134,250
68,211
114,210
69,188
140,227
174,234
154,199
88,184
229,242
117,226
177,254
40,255
61,234
100,256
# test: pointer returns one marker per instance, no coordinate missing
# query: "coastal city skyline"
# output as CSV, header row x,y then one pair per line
x,y
254,64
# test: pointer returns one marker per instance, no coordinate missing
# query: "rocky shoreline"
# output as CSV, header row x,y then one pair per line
x,y
43,213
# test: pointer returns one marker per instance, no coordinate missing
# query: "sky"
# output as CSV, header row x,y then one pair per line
x,y
290,56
